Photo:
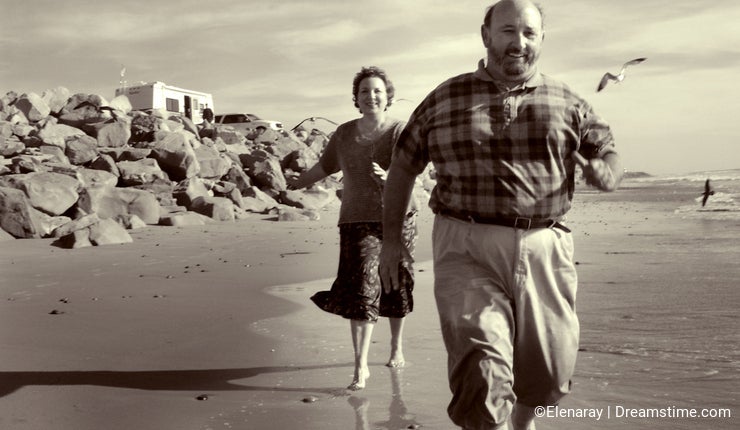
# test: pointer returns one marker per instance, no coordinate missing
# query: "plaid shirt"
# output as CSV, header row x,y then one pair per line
x,y
502,153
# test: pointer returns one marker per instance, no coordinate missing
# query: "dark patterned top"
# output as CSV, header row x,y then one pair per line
x,y
348,151
502,152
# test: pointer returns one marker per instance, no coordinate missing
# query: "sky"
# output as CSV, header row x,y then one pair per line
x,y
678,112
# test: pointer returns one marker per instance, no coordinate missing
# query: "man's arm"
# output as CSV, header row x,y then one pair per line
x,y
396,198
604,173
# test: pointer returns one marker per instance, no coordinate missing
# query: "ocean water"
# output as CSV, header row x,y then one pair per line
x,y
724,204
659,303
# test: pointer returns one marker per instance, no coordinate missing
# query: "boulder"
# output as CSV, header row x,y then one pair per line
x,y
56,154
33,107
217,208
52,193
188,190
176,156
11,146
108,232
237,176
294,214
254,200
105,163
115,202
56,98
96,178
126,153
212,164
114,133
140,172
76,224
81,149
265,171
57,134
313,198
181,219
16,214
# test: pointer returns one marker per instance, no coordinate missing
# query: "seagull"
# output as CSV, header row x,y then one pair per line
x,y
620,77
708,191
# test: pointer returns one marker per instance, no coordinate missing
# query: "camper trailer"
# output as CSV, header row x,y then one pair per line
x,y
158,95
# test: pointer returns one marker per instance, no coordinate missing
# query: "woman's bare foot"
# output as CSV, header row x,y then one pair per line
x,y
396,359
358,383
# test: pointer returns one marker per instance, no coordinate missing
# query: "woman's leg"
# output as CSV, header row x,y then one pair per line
x,y
362,332
396,359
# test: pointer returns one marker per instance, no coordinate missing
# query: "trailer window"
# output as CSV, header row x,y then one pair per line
x,y
173,105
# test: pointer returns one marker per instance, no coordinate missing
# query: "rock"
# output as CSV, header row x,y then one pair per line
x,y
182,219
212,164
115,202
33,107
131,222
301,159
105,163
218,208
81,149
56,98
140,172
57,134
229,191
16,214
254,200
237,176
56,153
188,190
313,198
5,236
265,171
121,104
126,153
75,225
292,214
49,192
96,178
115,133
76,239
11,146
108,232
176,156
143,127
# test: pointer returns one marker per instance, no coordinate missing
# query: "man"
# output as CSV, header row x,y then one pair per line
x,y
504,142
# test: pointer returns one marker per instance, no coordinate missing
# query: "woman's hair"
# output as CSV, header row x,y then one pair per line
x,y
372,72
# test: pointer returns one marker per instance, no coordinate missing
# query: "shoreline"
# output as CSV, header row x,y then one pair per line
x,y
140,339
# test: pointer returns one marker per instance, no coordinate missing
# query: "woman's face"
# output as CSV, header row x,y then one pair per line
x,y
372,96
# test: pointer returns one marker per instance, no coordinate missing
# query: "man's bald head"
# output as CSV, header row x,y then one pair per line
x,y
514,3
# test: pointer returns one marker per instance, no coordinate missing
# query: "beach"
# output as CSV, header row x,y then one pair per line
x,y
211,327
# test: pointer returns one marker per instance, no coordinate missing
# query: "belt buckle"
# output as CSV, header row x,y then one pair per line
x,y
517,223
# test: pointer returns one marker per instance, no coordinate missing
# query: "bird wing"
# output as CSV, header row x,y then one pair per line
x,y
605,80
704,200
633,62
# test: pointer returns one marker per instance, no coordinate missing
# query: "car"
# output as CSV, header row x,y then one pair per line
x,y
246,122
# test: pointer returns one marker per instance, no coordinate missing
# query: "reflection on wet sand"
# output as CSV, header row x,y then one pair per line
x,y
398,415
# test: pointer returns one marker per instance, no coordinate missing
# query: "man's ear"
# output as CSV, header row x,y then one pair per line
x,y
484,34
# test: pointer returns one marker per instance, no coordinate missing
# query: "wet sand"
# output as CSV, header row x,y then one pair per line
x,y
221,313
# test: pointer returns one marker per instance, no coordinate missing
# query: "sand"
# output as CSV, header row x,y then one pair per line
x,y
131,336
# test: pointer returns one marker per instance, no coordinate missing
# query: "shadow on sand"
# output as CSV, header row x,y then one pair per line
x,y
164,380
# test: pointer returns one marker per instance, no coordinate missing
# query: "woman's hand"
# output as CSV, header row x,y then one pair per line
x,y
380,173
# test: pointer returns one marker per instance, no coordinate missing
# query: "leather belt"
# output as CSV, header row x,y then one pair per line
x,y
513,222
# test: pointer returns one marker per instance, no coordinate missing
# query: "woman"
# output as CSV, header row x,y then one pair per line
x,y
361,149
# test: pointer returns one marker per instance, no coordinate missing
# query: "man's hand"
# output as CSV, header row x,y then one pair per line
x,y
391,255
598,173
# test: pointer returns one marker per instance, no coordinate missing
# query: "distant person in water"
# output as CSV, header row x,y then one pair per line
x,y
708,191
361,149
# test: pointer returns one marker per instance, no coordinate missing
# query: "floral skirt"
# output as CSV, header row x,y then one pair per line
x,y
357,292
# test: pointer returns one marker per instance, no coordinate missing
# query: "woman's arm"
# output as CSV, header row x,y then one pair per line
x,y
308,178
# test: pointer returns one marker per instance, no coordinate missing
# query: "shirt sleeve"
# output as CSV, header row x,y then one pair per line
x,y
595,134
411,152
329,159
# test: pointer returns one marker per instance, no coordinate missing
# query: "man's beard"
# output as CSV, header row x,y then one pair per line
x,y
510,66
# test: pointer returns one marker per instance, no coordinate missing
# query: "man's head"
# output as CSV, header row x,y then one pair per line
x,y
512,32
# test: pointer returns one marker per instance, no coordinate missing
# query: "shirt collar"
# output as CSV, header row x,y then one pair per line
x,y
534,81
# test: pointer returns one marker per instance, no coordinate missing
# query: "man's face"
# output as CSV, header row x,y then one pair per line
x,y
513,40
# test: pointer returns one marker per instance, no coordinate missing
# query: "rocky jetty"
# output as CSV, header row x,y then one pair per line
x,y
85,170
